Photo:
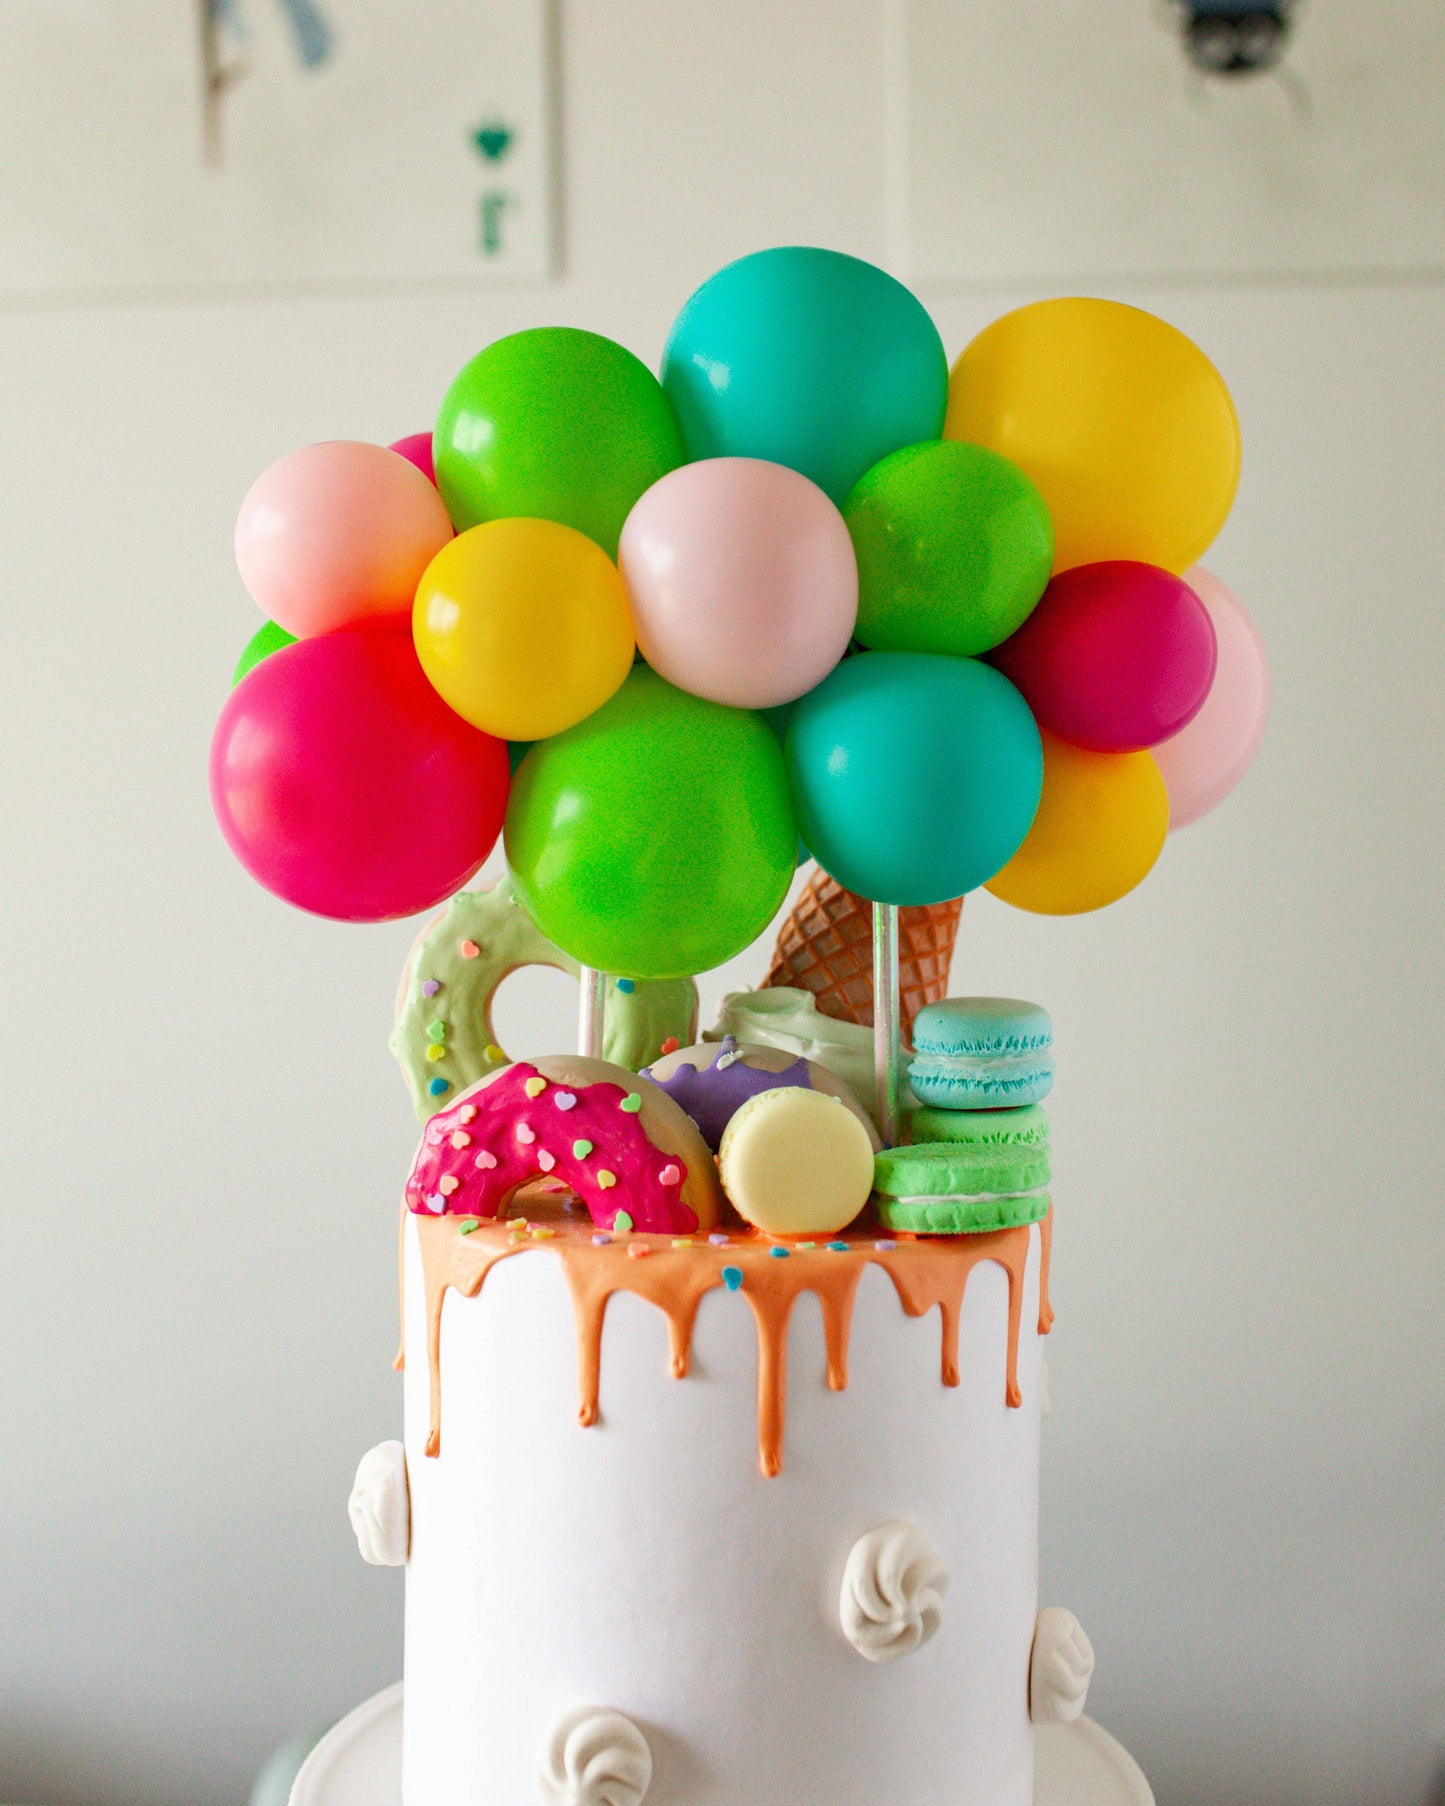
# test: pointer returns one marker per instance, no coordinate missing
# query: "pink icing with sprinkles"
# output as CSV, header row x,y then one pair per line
x,y
513,1128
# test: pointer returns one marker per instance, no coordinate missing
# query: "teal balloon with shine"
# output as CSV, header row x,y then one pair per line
x,y
267,638
807,358
915,776
553,424
656,838
954,548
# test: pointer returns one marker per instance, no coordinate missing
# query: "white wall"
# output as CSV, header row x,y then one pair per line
x,y
203,1137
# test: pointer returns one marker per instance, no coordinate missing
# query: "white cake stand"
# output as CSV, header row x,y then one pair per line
x,y
358,1763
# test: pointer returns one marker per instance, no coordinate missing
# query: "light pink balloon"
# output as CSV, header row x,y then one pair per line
x,y
1204,761
338,533
742,581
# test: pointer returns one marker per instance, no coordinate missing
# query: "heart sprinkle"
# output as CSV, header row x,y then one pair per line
x,y
469,949
545,1160
638,1250
525,1135
622,1223
461,1139
436,1202
485,1161
493,1055
534,1087
605,1180
565,1100
670,1174
732,1278
671,1044
430,987
467,1113
448,1183
581,1149
632,1103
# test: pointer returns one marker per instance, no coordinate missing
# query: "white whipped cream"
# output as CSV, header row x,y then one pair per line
x,y
380,1506
786,1017
594,1757
893,1587
1060,1668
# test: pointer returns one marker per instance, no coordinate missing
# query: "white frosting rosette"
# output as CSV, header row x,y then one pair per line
x,y
1060,1669
379,1506
893,1587
594,1757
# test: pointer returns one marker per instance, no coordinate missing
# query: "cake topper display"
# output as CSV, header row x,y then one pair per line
x,y
969,602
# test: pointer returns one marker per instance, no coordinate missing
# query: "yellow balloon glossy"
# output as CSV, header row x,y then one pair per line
x,y
522,627
1100,827
1122,422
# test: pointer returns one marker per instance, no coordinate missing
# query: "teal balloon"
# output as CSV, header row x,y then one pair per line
x,y
954,548
915,776
267,639
553,424
656,838
807,358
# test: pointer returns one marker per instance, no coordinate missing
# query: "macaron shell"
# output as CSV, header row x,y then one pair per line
x,y
1027,1126
951,1169
982,1025
962,1216
796,1162
988,1085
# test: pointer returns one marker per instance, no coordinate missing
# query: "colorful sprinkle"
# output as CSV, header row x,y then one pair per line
x,y
437,1086
448,1183
430,987
602,1241
461,1139
637,1250
469,949
885,1245
606,1180
485,1160
467,1228
437,1030
581,1149
670,1174
632,1103
807,1245
671,1044
626,986
565,1100
535,1086
732,1278
542,1234
778,1253
718,1241
519,1225
436,1202
622,1223
837,1247
545,1160
682,1241
467,1113
435,1051
493,1055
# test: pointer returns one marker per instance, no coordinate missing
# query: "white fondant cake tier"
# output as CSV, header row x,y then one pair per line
x,y
645,1567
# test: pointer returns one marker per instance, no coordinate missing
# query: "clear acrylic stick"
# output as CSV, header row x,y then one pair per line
x,y
590,1009
885,1021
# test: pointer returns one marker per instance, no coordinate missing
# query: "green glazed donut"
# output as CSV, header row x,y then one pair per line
x,y
443,1036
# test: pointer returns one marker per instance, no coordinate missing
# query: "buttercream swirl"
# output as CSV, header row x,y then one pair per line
x,y
893,1587
1060,1668
380,1507
594,1757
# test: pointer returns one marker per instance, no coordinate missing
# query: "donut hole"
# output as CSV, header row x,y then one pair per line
x,y
534,1012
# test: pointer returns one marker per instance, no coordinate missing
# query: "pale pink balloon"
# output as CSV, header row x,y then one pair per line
x,y
338,533
742,581
1204,761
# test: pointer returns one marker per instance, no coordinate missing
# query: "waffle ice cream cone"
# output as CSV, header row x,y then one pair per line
x,y
826,946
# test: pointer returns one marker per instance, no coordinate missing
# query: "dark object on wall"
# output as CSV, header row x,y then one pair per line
x,y
1235,37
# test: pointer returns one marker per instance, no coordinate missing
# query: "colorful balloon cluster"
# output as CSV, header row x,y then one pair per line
x,y
945,628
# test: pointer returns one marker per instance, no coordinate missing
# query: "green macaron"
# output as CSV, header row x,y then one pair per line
x,y
978,1170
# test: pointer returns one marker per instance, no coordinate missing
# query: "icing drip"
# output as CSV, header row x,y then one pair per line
x,y
522,1126
924,1273
712,1094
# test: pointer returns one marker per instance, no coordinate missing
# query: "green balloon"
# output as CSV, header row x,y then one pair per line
x,y
954,547
655,839
267,638
554,424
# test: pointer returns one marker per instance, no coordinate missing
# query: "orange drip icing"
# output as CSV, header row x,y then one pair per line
x,y
925,1272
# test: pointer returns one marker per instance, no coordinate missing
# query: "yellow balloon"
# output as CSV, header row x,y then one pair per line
x,y
522,627
1122,422
1101,824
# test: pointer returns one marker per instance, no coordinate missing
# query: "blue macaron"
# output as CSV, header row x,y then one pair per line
x,y
981,1053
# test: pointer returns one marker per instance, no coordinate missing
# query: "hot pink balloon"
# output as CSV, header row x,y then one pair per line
x,y
338,533
416,449
1203,764
344,784
742,581
1116,657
